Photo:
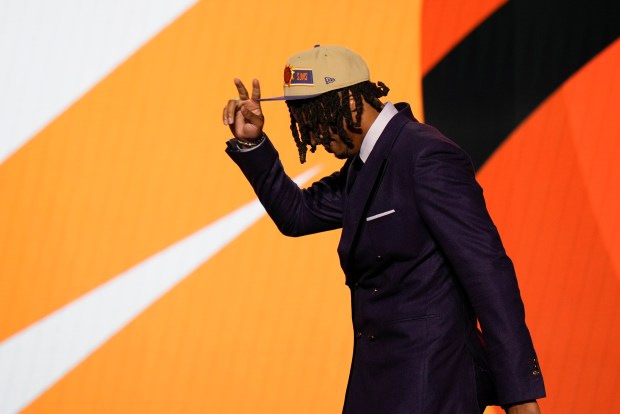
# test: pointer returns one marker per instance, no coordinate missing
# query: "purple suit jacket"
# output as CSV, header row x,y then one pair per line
x,y
424,263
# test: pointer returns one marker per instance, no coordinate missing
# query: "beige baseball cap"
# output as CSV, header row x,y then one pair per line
x,y
321,69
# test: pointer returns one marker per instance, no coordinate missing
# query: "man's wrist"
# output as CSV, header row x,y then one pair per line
x,y
249,144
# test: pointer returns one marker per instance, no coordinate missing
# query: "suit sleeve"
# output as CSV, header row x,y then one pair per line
x,y
295,211
453,207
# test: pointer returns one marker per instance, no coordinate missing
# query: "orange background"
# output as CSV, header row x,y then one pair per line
x,y
138,163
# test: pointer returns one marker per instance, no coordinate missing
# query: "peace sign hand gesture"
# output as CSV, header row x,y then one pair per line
x,y
244,115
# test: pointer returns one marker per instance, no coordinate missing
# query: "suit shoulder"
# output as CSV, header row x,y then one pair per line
x,y
417,138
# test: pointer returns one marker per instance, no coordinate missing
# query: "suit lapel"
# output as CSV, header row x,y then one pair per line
x,y
366,185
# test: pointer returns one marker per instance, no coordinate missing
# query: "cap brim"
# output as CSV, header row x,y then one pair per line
x,y
290,98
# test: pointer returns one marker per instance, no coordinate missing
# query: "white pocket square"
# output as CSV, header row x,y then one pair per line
x,y
376,216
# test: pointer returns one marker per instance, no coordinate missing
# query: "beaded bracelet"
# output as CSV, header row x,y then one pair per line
x,y
251,144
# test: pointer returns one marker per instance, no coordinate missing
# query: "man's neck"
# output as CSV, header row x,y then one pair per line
x,y
376,128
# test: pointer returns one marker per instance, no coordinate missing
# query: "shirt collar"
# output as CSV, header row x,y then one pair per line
x,y
376,129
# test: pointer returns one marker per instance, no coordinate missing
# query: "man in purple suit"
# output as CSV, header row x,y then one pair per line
x,y
421,256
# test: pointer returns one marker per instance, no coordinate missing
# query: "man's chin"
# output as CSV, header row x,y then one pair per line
x,y
341,155
339,152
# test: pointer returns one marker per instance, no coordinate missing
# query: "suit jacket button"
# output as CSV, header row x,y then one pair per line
x,y
358,334
372,338
379,258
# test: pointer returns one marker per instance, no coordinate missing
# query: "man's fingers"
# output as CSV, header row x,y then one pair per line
x,y
253,118
255,90
243,93
229,112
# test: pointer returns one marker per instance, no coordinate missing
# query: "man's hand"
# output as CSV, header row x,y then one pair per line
x,y
244,115
525,408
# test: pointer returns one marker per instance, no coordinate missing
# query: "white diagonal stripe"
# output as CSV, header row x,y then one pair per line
x,y
53,52
34,359
376,216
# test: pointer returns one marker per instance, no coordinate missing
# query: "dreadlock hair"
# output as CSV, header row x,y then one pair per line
x,y
317,116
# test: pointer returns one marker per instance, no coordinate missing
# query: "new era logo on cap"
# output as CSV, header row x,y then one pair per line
x,y
338,66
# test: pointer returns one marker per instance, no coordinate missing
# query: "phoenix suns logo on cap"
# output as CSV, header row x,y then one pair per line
x,y
297,76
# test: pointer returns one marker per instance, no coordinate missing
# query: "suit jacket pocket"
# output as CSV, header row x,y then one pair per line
x,y
386,233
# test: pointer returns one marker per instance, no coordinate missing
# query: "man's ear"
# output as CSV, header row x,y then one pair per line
x,y
352,104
